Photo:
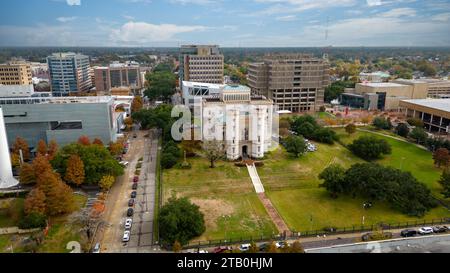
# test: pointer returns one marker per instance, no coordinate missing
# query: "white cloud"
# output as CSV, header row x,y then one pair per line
x,y
442,17
399,12
287,18
195,2
73,2
128,17
141,32
66,19
372,3
291,6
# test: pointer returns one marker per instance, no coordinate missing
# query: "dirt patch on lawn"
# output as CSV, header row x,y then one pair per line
x,y
213,209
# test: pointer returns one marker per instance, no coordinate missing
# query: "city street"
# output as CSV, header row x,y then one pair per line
x,y
111,232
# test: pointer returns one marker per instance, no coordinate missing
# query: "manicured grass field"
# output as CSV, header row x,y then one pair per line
x,y
407,157
293,186
225,195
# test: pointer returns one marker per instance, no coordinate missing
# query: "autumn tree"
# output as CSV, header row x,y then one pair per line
x,y
214,151
58,196
116,148
441,157
35,202
98,141
253,248
177,247
297,248
15,160
106,182
129,123
26,174
75,170
272,248
22,145
41,148
137,104
350,129
52,149
84,140
41,165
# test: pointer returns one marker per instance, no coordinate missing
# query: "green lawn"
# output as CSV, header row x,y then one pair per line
x,y
225,195
293,186
407,157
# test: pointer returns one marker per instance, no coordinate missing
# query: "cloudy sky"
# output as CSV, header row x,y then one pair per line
x,y
229,23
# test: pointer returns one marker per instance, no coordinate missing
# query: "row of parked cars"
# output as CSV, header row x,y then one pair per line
x,y
130,211
424,231
243,248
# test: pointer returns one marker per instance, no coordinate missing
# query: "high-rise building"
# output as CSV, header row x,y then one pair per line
x,y
295,82
69,73
118,75
15,73
201,63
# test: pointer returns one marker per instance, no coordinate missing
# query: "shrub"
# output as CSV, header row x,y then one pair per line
x,y
381,123
325,135
402,130
415,122
370,147
33,220
168,160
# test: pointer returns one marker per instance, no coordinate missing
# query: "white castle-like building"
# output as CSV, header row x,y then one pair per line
x,y
244,123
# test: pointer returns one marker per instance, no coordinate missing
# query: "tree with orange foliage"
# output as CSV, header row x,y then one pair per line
x,y
26,174
52,149
35,202
84,140
21,144
116,148
42,148
15,160
58,196
98,141
137,104
75,171
41,165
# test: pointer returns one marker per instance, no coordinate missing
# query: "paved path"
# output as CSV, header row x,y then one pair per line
x,y
393,137
259,188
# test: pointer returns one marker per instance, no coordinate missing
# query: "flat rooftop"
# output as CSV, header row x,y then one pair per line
x,y
439,104
55,100
381,84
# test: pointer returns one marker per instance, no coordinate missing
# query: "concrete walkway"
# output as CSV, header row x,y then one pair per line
x,y
393,137
259,188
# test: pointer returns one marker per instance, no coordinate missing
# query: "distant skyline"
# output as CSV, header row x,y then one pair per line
x,y
228,23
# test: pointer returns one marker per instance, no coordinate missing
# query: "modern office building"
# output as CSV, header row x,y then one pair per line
x,y
382,96
16,73
201,63
63,119
198,90
295,82
69,74
118,75
435,113
436,88
243,121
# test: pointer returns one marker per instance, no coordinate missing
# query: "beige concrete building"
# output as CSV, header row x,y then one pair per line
x,y
118,75
436,88
295,82
16,73
201,63
435,113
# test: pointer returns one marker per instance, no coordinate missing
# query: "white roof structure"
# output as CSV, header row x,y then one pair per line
x,y
381,84
439,104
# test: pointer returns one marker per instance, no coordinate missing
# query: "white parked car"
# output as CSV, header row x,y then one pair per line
x,y
425,230
245,247
126,236
128,223
125,163
203,251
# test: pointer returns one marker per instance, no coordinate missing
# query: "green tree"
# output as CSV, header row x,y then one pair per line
x,y
180,220
402,130
334,180
370,147
161,85
168,160
325,135
445,183
418,134
381,123
350,128
295,145
214,151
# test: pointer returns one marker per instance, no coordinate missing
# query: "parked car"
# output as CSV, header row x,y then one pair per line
x,y
136,179
130,212
202,251
408,233
128,223
425,230
222,249
131,203
126,236
281,244
135,186
447,227
374,237
125,163
245,247
263,247
439,229
133,194
96,248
